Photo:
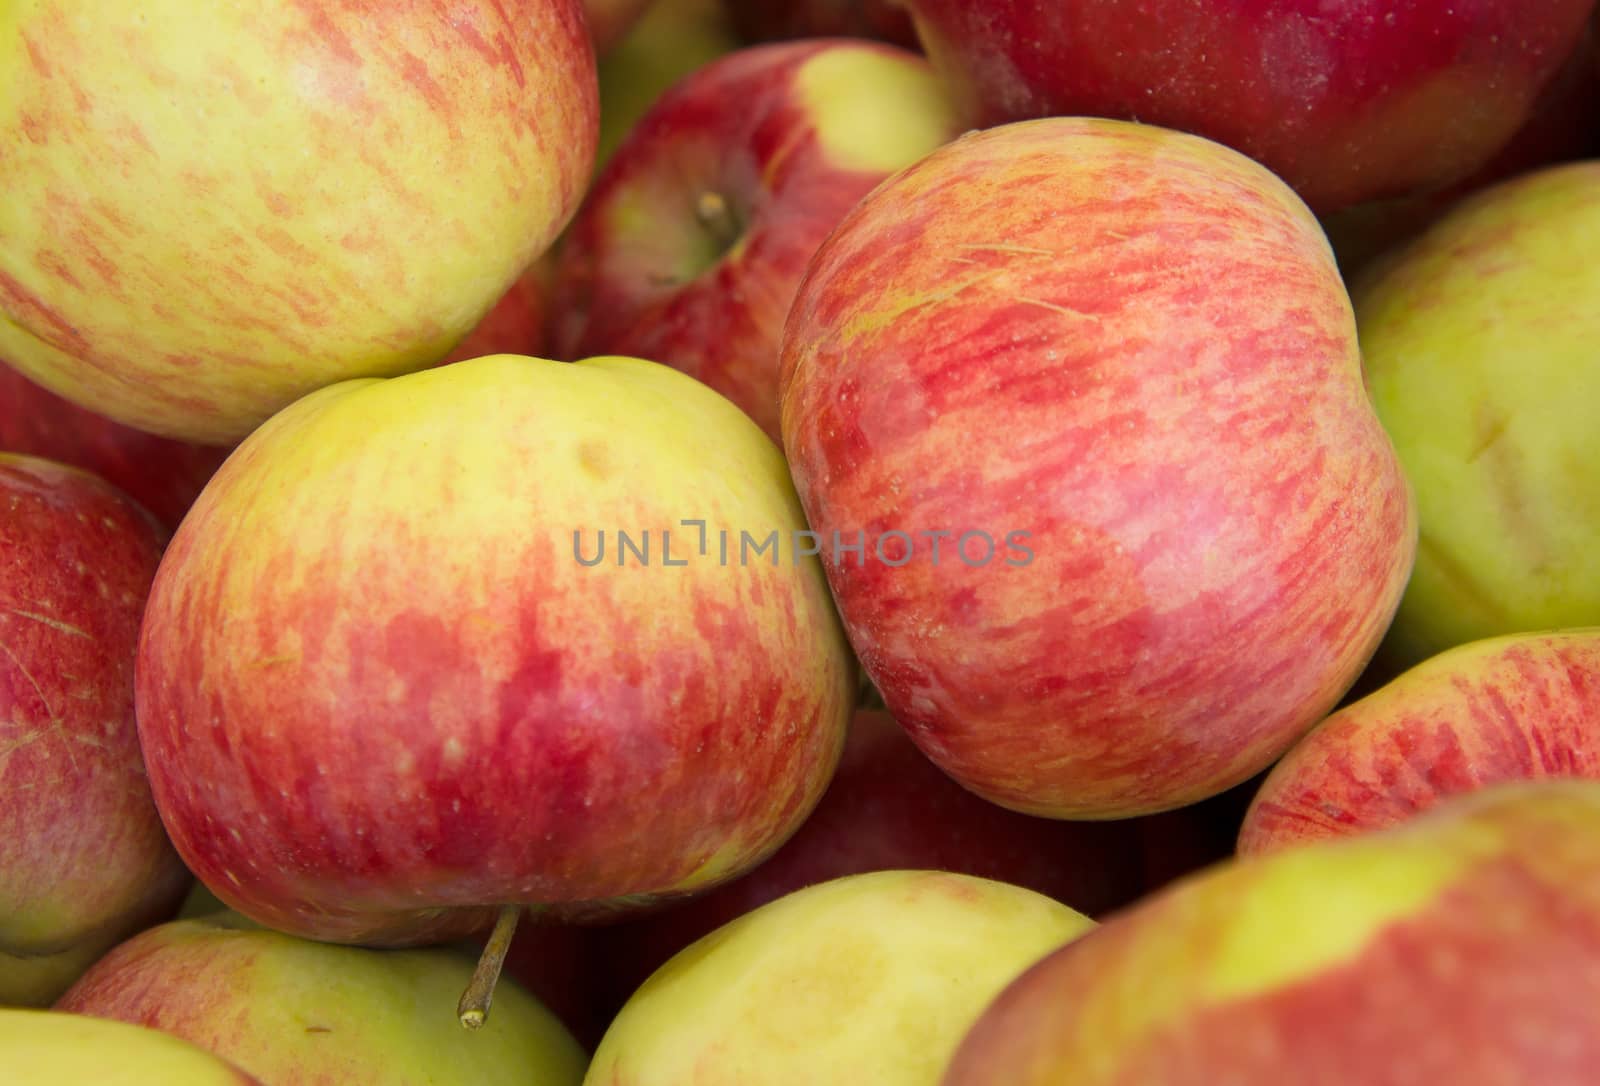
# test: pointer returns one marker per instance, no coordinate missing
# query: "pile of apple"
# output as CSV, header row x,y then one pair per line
x,y
905,542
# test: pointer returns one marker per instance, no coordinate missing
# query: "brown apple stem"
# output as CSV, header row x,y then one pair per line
x,y
473,1009
717,217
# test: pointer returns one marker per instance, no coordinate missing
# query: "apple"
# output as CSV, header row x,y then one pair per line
x,y
1479,341
1517,707
672,39
689,247
291,1011
163,475
1076,409
883,20
393,680
1345,102
49,1048
888,807
361,185
84,860
610,20
1463,947
870,978
1563,127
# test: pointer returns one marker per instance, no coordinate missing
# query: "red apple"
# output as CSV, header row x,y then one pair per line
x,y
208,218
890,808
1346,102
1462,948
84,860
1519,707
1115,366
163,475
690,246
882,20
386,687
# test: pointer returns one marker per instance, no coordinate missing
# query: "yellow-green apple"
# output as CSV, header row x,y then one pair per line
x,y
1479,344
52,1048
84,860
163,475
889,808
1345,102
882,20
610,21
293,1012
1517,707
1076,409
492,634
867,978
1462,947
689,247
206,219
672,39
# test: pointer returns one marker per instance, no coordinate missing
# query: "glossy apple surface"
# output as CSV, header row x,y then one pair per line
x,y
362,184
84,860
1346,102
690,246
389,682
1463,947
1085,398
1518,707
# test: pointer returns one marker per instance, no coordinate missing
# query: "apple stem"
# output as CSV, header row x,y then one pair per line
x,y
473,1010
716,216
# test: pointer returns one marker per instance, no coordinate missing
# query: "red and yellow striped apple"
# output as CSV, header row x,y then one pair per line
x,y
1463,947
298,1013
1519,707
690,246
1085,396
383,690
206,218
1346,102
84,860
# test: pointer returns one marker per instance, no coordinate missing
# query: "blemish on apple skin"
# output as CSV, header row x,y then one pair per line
x,y
595,460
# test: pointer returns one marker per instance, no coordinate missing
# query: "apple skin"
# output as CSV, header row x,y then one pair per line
x,y
881,20
49,1048
870,978
888,807
163,475
83,856
1489,318
789,136
1149,333
298,1013
380,696
1341,103
517,323
1463,947
1563,127
188,273
1518,707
